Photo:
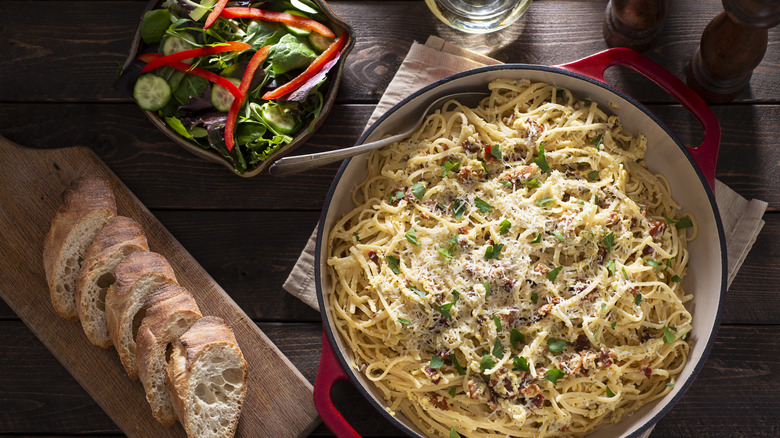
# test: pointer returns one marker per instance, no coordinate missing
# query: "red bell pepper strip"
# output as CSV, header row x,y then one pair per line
x,y
279,17
243,88
215,13
205,74
311,70
232,46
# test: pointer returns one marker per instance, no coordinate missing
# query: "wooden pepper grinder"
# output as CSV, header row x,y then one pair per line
x,y
732,45
636,24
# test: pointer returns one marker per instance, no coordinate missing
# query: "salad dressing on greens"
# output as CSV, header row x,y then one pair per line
x,y
243,81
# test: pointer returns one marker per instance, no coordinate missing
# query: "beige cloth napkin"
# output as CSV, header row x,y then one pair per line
x,y
436,59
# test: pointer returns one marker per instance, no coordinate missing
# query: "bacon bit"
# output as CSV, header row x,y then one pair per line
x,y
571,363
603,203
531,391
657,228
435,375
470,146
538,400
648,371
566,197
466,175
613,218
373,257
541,269
438,401
564,428
602,254
463,230
545,309
582,343
633,222
518,176
580,284
535,131
508,284
644,210
648,250
606,358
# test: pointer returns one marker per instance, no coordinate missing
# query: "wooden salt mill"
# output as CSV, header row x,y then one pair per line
x,y
636,24
732,45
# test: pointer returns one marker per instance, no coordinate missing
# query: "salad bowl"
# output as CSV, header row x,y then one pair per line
x,y
196,138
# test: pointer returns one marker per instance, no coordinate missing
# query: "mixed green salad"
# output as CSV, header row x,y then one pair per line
x,y
241,78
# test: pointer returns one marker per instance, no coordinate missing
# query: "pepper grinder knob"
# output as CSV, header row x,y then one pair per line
x,y
731,47
635,24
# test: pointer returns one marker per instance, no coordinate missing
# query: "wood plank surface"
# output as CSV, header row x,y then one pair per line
x,y
278,400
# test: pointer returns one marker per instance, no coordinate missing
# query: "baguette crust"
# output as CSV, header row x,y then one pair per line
x,y
170,311
86,206
136,275
207,377
120,237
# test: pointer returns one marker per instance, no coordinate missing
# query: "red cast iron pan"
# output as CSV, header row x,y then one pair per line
x,y
690,171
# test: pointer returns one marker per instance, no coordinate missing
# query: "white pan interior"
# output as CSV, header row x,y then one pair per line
x,y
706,270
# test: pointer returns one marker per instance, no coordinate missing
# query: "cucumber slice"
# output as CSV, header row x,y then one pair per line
x,y
198,13
221,98
175,44
151,92
297,30
304,6
278,119
320,42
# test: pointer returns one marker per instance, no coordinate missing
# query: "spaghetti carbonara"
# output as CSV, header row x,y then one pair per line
x,y
514,269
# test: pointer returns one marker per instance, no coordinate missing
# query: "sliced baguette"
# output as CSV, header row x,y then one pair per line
x,y
86,206
136,275
207,379
170,311
120,237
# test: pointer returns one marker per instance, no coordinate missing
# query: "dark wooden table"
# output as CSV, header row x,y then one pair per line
x,y
57,66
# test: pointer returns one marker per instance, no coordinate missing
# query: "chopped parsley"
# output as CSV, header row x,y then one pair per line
x,y
484,167
593,175
356,236
625,275
483,206
556,345
553,375
531,183
458,208
453,434
638,300
603,307
515,336
654,264
445,252
545,201
505,225
436,362
534,297
505,183
418,190
487,362
498,349
558,236
486,284
611,267
609,240
597,141
677,279
614,323
411,236
595,199
552,275
610,394
669,337
450,249
497,322
670,384
492,251
454,359
453,391
448,166
419,292
404,321
537,239
541,161
495,151
393,262
520,364
396,195
444,309
683,223
455,296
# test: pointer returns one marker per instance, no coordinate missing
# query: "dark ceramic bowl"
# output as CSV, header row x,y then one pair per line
x,y
334,22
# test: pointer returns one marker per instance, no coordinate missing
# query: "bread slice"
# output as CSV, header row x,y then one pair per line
x,y
136,275
87,204
120,237
207,379
170,311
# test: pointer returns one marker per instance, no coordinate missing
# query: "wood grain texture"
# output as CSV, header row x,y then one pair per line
x,y
737,381
72,50
278,400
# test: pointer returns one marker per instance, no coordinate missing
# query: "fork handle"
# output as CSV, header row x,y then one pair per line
x,y
299,163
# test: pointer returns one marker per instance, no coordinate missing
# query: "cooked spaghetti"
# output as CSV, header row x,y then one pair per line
x,y
514,269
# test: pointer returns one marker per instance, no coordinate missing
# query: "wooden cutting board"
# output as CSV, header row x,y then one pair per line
x,y
279,399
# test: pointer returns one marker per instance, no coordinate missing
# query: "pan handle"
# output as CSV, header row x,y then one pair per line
x,y
328,373
706,154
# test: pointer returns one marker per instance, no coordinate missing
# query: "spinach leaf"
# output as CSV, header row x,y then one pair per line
x,y
290,53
